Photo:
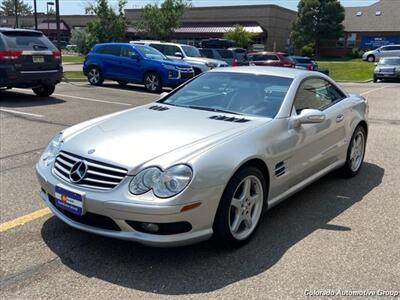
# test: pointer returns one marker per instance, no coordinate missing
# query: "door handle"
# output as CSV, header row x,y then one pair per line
x,y
339,118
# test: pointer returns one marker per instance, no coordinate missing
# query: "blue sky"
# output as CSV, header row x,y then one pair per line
x,y
78,6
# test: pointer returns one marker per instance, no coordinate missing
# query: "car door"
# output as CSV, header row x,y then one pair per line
x,y
131,69
385,51
111,61
318,145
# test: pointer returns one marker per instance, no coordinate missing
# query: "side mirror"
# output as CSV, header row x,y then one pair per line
x,y
308,116
163,94
178,54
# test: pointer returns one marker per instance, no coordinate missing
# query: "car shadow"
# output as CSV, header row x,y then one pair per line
x,y
206,267
131,87
15,99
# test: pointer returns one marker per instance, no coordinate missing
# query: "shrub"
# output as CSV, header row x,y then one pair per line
x,y
307,50
356,53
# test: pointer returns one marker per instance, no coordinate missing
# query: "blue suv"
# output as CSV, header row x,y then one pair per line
x,y
127,63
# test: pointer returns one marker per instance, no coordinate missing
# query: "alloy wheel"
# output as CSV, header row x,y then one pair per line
x,y
246,207
152,82
94,76
357,151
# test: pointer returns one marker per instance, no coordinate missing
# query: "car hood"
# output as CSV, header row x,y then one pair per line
x,y
142,136
175,63
387,67
205,60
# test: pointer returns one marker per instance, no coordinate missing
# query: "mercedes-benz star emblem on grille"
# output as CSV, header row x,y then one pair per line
x,y
78,171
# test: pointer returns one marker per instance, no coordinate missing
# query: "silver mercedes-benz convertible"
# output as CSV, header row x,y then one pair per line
x,y
207,159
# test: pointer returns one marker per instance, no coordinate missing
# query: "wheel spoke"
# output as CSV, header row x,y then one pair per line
x,y
237,203
236,222
248,221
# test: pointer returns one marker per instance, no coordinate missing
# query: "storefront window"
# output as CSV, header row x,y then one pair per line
x,y
340,42
351,40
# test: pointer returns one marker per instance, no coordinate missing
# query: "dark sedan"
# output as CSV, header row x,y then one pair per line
x,y
306,63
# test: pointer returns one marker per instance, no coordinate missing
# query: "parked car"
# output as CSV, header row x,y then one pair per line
x,y
232,56
187,53
387,68
274,59
385,51
207,159
128,63
29,60
306,63
218,43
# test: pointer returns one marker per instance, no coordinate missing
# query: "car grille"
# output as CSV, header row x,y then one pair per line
x,y
187,75
99,176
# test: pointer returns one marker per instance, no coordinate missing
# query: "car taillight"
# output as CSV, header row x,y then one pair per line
x,y
56,55
235,63
288,65
10,54
310,67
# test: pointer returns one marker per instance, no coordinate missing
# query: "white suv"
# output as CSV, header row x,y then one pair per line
x,y
385,51
191,55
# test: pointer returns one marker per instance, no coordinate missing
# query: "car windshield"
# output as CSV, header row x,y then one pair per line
x,y
191,51
150,52
390,61
237,93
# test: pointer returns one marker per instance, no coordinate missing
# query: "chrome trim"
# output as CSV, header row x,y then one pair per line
x,y
38,72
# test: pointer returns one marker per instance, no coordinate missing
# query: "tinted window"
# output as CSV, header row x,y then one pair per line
x,y
241,55
170,50
207,53
225,53
110,50
396,47
191,51
302,60
246,94
27,41
150,52
263,57
127,52
316,94
159,47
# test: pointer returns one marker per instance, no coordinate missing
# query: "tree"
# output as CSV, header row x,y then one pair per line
x,y
239,35
159,22
109,26
7,8
317,20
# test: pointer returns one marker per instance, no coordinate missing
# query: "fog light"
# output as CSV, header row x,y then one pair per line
x,y
150,227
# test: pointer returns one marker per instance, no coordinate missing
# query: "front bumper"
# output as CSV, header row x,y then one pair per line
x,y
382,75
120,210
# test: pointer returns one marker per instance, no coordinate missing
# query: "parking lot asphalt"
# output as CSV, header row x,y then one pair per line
x,y
336,234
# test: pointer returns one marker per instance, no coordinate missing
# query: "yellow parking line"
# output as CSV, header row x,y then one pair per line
x,y
24,219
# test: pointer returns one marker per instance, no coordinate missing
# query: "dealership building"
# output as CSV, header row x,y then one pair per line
x,y
365,27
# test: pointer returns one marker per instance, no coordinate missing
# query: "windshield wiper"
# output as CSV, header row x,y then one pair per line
x,y
212,109
39,47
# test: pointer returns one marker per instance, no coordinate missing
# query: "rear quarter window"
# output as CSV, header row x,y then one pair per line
x,y
27,41
207,53
110,50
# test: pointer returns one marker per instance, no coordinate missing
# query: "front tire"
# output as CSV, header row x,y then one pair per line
x,y
375,79
94,76
44,90
371,58
355,153
241,207
152,82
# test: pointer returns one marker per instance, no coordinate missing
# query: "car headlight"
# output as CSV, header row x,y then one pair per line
x,y
169,67
52,150
164,184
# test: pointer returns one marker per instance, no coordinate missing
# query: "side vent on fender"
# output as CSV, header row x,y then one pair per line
x,y
280,169
229,119
158,107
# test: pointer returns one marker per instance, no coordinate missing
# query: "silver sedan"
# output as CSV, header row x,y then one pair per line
x,y
207,159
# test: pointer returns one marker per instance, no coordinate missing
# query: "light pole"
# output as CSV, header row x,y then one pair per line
x,y
16,12
48,19
58,24
35,13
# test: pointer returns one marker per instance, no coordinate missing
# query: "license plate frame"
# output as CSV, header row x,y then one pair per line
x,y
38,59
69,200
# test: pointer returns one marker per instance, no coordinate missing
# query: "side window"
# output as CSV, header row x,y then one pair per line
x,y
225,53
170,50
384,49
127,52
110,50
316,93
207,53
159,47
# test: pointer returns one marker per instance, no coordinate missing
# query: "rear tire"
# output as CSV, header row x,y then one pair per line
x,y
355,153
241,208
152,82
94,76
44,90
375,79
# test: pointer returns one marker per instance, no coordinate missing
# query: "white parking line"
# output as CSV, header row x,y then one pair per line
x,y
81,98
20,113
374,90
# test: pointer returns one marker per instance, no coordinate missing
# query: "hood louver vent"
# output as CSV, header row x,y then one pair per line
x,y
280,169
158,107
229,119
